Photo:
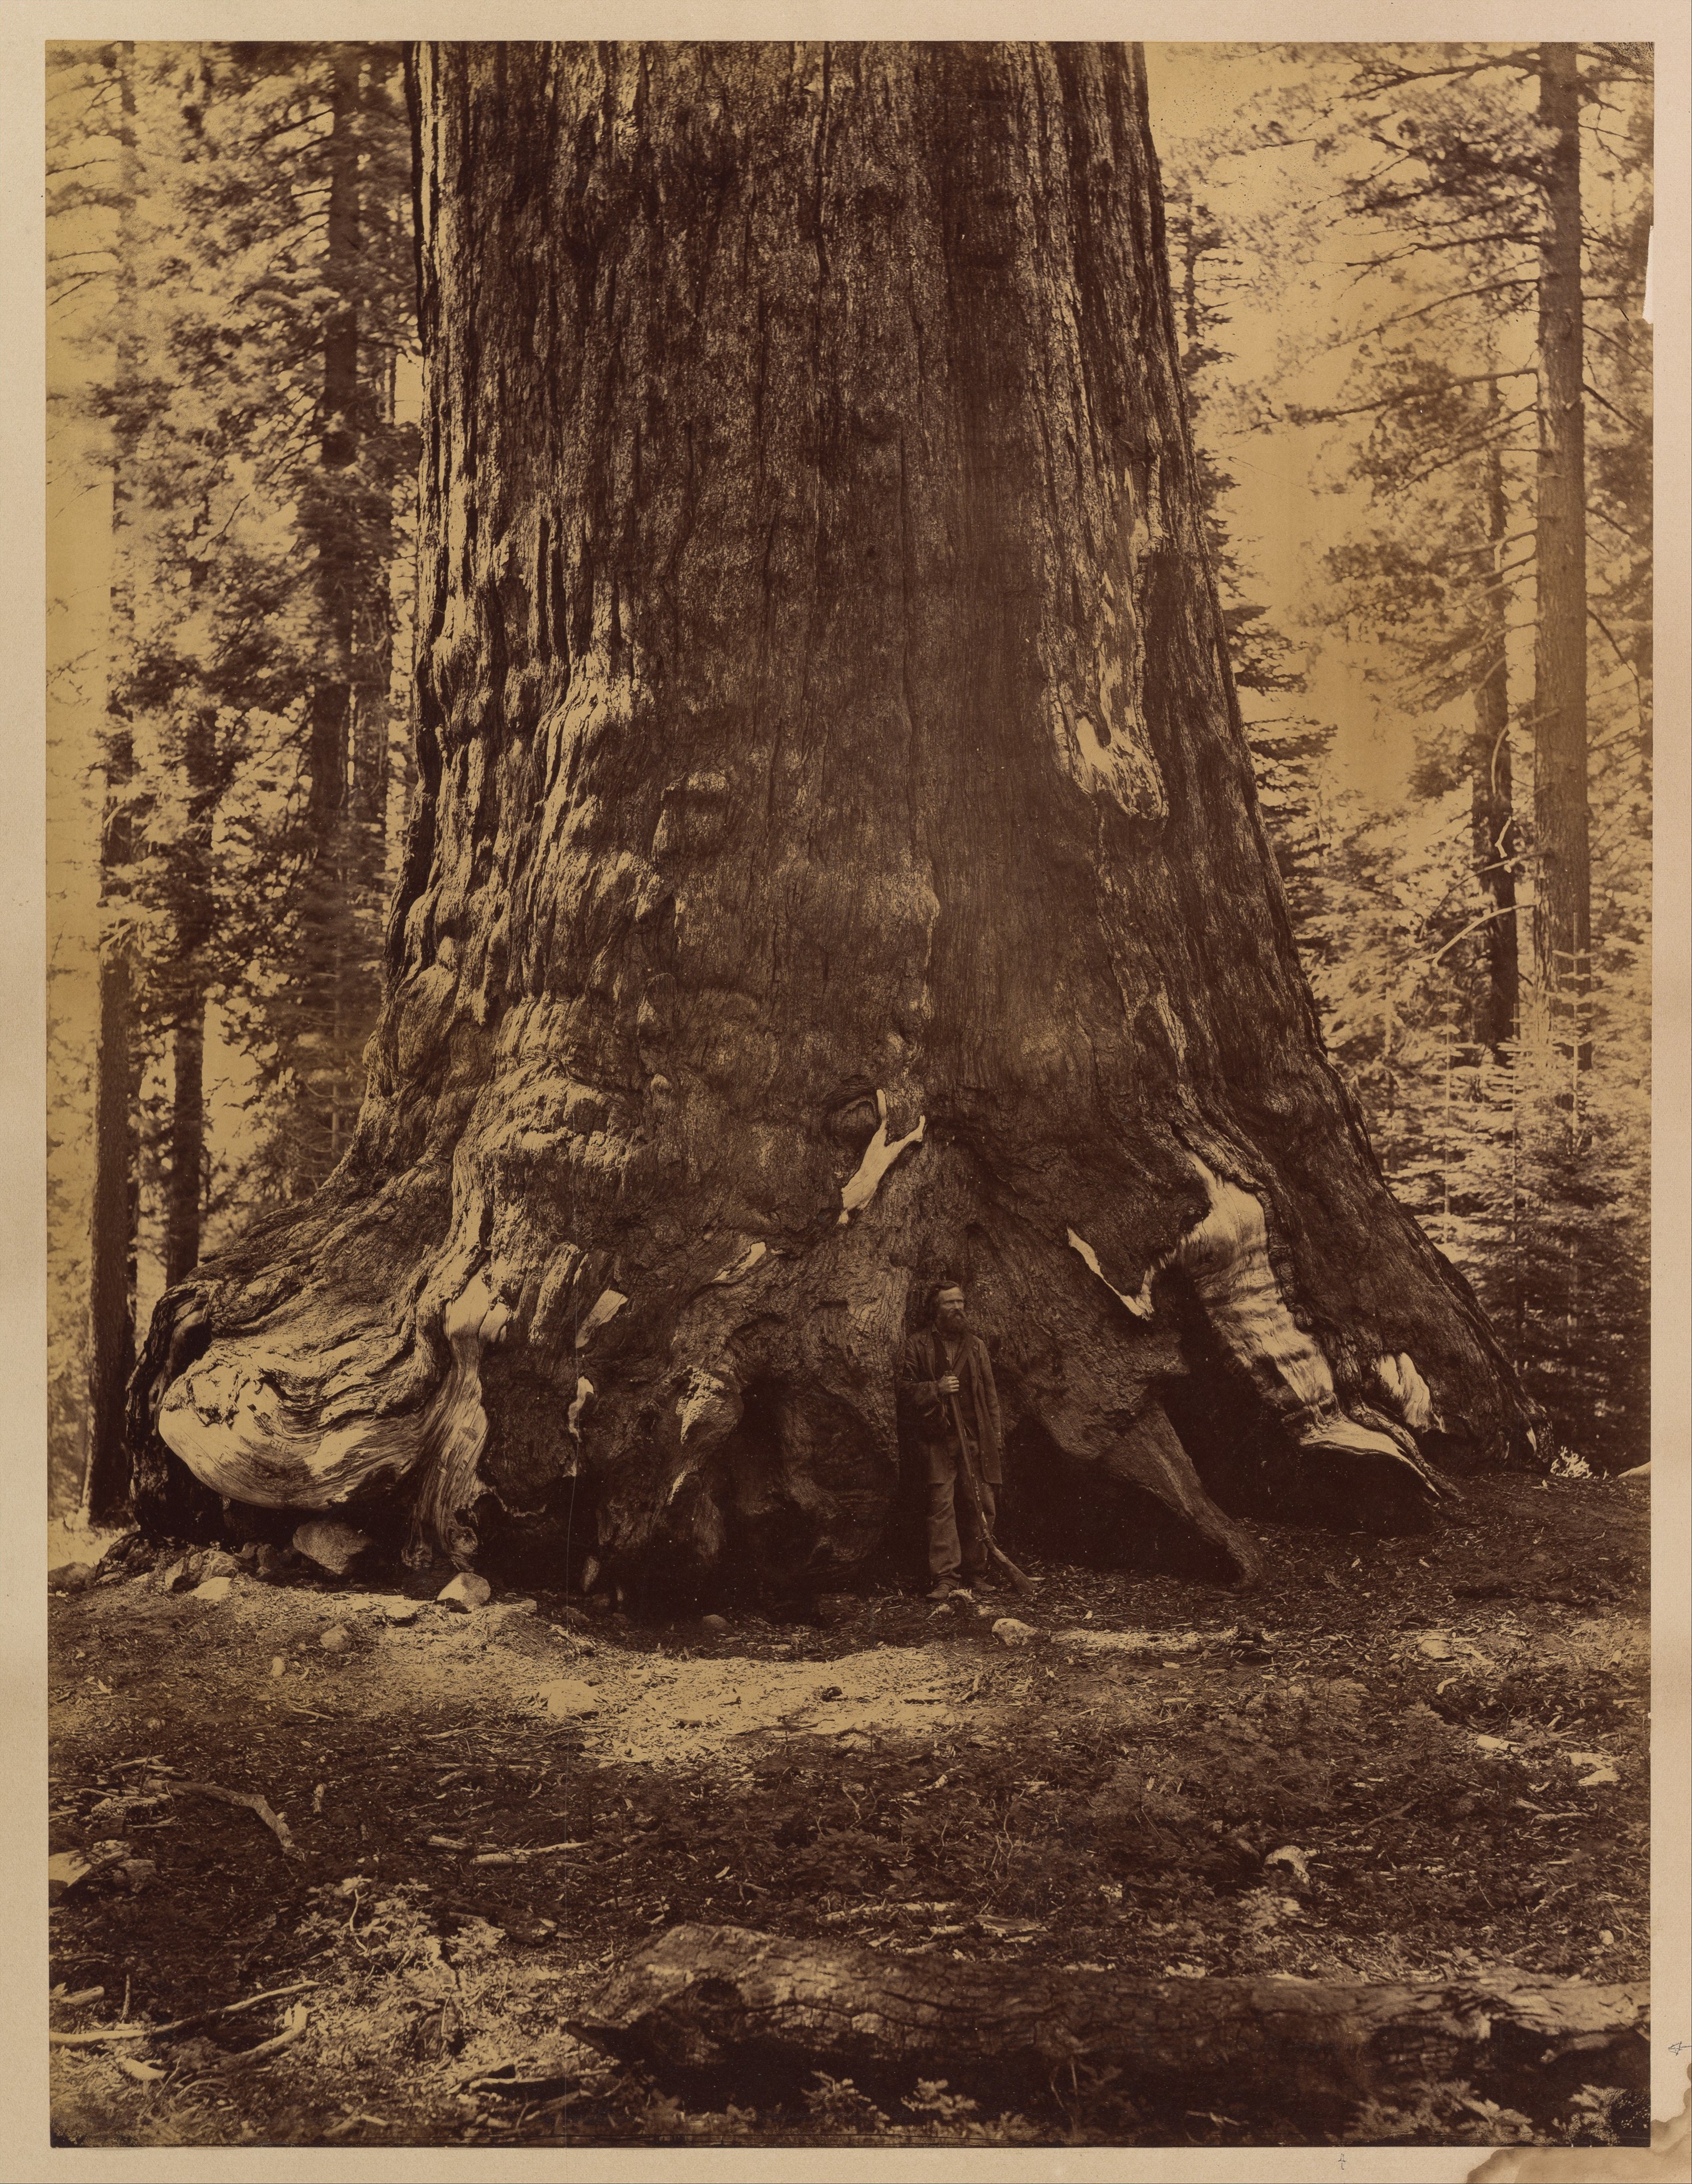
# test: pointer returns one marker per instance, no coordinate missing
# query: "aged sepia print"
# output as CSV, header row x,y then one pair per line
x,y
849,850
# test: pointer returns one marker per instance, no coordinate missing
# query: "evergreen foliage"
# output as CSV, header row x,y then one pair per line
x,y
1516,1127
251,364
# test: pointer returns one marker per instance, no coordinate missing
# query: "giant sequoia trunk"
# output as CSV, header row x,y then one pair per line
x,y
836,865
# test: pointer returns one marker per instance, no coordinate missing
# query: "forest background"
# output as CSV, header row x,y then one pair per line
x,y
1412,284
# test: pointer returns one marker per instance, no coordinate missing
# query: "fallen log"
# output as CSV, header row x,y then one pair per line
x,y
716,2001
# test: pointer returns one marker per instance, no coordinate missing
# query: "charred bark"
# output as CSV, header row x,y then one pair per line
x,y
728,2002
837,864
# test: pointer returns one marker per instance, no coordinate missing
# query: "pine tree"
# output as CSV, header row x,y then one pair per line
x,y
244,512
1456,184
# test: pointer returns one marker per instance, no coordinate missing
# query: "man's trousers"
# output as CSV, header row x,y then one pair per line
x,y
956,1549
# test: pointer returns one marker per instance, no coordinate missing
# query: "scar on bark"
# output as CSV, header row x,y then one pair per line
x,y
1226,1258
310,1407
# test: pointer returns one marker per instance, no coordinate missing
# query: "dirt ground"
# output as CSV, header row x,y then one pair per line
x,y
1396,1759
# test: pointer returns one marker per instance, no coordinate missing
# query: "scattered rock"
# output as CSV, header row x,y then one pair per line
x,y
217,1564
176,1573
331,1545
336,1639
1435,1647
398,1609
214,1588
717,1626
833,1608
71,1577
519,1608
782,1652
134,1873
1010,1632
571,1618
279,1666
568,1699
64,1872
467,1591
1292,1858
276,1565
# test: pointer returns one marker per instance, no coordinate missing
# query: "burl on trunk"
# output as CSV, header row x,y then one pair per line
x,y
838,865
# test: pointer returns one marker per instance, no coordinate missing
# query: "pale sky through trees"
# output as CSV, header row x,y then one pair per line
x,y
1291,504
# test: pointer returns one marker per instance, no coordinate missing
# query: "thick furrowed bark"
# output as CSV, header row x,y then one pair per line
x,y
722,2000
836,865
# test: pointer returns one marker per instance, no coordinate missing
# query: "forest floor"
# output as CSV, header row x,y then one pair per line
x,y
1395,1760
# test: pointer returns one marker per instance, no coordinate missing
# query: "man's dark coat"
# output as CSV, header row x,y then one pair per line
x,y
921,1367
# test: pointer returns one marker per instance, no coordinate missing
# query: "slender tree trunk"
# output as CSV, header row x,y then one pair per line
x,y
1493,819
1562,921
112,1242
331,521
184,1188
194,915
837,864
112,1231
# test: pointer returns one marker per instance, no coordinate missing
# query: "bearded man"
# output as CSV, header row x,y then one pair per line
x,y
946,1378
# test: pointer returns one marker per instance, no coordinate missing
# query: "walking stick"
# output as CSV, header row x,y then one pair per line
x,y
1019,1579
